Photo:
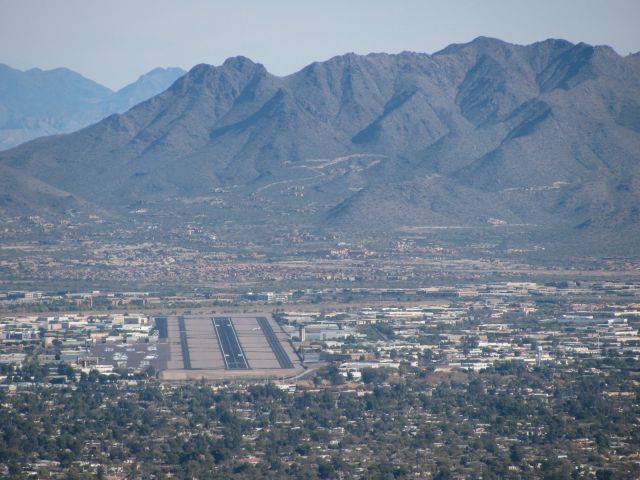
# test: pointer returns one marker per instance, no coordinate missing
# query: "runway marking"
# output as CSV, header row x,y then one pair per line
x,y
232,352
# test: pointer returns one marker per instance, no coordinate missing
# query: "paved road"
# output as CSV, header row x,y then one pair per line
x,y
232,352
274,343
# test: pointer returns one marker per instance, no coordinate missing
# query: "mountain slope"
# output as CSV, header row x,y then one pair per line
x,y
546,134
38,102
45,102
145,87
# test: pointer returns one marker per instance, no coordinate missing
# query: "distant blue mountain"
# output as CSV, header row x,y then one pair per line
x,y
39,102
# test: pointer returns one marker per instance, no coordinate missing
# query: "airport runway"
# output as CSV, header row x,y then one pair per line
x,y
274,343
186,359
232,352
224,346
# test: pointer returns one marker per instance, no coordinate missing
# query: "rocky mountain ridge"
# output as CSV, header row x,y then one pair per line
x,y
546,134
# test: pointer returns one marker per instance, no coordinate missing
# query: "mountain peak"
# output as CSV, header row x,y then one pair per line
x,y
241,63
488,41
553,44
478,43
146,86
166,75
163,70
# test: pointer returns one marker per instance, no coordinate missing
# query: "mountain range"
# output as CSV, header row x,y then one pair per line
x,y
39,102
477,134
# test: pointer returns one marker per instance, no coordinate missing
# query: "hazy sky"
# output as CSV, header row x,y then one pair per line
x,y
115,41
